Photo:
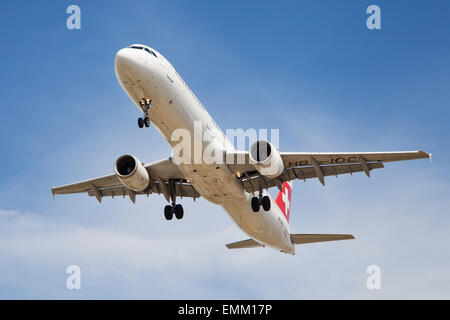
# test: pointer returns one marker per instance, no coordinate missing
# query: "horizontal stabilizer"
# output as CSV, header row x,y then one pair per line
x,y
312,238
249,243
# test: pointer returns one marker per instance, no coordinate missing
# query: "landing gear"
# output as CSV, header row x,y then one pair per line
x,y
171,210
141,123
147,122
179,212
174,209
168,212
265,202
144,122
145,104
257,202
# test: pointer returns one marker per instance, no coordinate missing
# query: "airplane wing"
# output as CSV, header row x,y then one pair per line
x,y
160,173
308,165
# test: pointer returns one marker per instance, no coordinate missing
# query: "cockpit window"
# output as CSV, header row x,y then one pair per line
x,y
146,49
150,51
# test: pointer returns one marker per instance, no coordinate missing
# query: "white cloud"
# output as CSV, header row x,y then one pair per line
x,y
160,262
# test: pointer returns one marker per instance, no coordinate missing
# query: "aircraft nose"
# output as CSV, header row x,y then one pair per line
x,y
128,65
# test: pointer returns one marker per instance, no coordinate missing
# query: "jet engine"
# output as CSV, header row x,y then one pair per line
x,y
131,172
266,159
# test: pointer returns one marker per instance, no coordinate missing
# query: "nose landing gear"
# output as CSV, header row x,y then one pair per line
x,y
146,104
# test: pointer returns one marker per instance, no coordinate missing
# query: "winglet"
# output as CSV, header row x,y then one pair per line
x,y
425,155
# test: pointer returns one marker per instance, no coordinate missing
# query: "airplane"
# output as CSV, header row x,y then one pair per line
x,y
240,187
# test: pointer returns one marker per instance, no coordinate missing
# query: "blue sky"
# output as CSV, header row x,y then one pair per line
x,y
310,68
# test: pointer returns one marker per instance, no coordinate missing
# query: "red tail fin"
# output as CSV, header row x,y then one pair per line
x,y
284,199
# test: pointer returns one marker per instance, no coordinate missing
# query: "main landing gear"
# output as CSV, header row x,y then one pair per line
x,y
259,201
171,210
174,209
146,104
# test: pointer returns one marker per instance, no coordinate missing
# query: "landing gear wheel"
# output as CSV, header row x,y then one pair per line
x,y
179,211
141,123
147,122
168,212
255,204
265,201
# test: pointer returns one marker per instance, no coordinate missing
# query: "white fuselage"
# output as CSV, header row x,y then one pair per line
x,y
144,76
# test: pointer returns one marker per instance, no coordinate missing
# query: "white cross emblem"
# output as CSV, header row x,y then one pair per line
x,y
285,197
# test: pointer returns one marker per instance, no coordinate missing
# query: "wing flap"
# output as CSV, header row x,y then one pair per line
x,y
239,161
313,238
252,181
310,172
308,165
181,190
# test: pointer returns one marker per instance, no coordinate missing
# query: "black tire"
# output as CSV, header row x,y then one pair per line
x,y
255,204
140,123
179,212
168,212
265,201
147,122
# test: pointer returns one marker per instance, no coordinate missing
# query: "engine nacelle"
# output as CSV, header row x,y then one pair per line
x,y
131,172
266,159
